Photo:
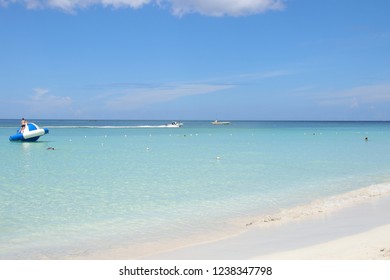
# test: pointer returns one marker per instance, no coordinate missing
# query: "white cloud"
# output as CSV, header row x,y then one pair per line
x,y
42,99
30,4
355,97
177,7
72,5
248,77
135,98
39,93
224,7
129,95
125,3
43,104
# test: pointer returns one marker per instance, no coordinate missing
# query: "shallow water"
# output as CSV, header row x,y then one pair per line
x,y
108,183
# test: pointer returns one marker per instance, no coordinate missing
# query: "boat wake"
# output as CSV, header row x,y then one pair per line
x,y
112,126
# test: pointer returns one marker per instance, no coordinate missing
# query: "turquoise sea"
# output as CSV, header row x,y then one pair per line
x,y
110,184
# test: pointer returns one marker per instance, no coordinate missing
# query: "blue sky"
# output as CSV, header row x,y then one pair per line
x,y
195,59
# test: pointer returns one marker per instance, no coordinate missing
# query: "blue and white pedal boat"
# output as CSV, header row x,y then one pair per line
x,y
31,133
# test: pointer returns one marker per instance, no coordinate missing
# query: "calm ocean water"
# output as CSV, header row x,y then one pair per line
x,y
109,183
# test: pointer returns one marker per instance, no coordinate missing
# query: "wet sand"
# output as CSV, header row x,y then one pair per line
x,y
358,231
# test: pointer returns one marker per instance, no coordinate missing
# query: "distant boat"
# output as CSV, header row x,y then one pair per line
x,y
174,124
216,122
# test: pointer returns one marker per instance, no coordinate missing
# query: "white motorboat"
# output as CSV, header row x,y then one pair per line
x,y
174,124
216,122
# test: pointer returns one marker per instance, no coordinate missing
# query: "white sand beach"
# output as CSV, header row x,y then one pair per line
x,y
359,231
369,245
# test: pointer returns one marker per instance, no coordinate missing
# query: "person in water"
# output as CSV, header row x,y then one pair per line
x,y
23,125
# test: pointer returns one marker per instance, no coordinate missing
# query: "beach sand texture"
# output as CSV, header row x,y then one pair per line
x,y
358,232
369,245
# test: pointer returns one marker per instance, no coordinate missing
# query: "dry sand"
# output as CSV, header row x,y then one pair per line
x,y
369,245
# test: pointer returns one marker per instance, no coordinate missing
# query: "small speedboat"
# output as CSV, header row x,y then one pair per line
x,y
174,124
31,133
216,122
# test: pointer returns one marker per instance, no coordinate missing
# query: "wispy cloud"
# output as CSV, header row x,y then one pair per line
x,y
134,95
41,103
72,5
263,75
249,77
42,96
224,7
357,96
177,7
138,97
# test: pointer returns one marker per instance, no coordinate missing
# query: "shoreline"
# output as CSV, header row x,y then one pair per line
x,y
301,232
358,229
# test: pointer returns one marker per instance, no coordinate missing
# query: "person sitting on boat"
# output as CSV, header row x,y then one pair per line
x,y
23,125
